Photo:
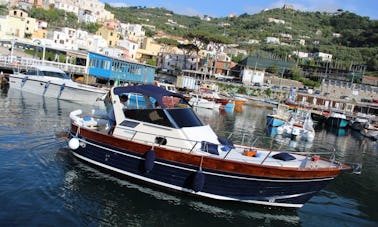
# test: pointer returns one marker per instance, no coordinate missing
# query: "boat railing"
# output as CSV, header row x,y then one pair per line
x,y
254,142
248,140
240,140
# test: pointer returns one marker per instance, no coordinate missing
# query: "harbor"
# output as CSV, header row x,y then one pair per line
x,y
38,173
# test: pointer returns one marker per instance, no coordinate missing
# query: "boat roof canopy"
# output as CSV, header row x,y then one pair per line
x,y
148,90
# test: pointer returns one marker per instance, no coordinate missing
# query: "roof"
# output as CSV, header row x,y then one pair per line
x,y
148,90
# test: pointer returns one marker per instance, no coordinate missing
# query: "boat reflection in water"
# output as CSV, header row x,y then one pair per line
x,y
337,131
292,144
113,200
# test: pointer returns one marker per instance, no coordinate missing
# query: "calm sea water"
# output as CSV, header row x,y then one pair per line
x,y
41,183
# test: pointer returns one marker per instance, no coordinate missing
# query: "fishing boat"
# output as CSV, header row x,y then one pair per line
x,y
337,119
358,121
370,129
300,126
169,147
52,82
279,116
200,102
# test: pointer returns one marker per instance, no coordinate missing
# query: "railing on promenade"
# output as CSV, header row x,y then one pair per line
x,y
24,63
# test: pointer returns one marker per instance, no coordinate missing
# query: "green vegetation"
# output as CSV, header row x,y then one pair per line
x,y
357,43
350,38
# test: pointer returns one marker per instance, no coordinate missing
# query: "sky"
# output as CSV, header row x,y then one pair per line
x,y
223,8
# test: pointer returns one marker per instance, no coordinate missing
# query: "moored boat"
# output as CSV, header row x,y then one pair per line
x,y
300,126
171,148
279,116
370,129
337,119
52,82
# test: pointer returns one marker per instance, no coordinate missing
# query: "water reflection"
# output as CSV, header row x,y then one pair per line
x,y
114,201
38,176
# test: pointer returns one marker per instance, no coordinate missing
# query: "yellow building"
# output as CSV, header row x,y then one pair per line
x,y
109,34
149,49
17,24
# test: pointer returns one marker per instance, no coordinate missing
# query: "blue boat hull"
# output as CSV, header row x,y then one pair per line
x,y
274,122
336,122
217,185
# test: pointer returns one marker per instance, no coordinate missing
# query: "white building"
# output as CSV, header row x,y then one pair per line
x,y
173,63
65,39
130,46
86,16
133,32
68,6
273,40
277,21
251,76
323,56
301,54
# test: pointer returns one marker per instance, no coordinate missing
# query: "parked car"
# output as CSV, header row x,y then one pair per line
x,y
302,90
275,87
317,92
345,97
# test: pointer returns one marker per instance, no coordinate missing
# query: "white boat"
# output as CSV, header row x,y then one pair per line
x,y
370,129
197,101
298,127
171,148
359,120
52,82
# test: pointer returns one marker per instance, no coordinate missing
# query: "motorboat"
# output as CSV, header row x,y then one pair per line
x,y
358,121
279,116
200,102
370,129
300,126
52,82
169,147
337,119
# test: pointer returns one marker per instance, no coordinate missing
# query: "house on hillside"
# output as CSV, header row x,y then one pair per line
x,y
323,56
109,34
17,24
277,21
272,40
251,76
371,80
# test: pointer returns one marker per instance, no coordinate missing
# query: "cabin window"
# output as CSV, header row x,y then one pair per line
x,y
184,117
153,116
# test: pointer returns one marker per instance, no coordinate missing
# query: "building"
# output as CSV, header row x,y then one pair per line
x,y
109,34
277,21
323,56
273,40
17,24
371,80
149,49
175,63
251,76
130,46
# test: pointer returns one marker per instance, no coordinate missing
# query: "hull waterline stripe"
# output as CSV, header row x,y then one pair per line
x,y
211,173
208,195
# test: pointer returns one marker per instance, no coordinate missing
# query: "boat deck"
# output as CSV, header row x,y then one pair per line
x,y
260,156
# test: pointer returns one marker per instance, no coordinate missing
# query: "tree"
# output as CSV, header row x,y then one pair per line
x,y
188,50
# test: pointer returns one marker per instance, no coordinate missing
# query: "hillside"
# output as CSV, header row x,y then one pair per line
x,y
357,43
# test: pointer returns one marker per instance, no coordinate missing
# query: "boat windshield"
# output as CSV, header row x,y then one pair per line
x,y
47,73
176,118
54,74
184,117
